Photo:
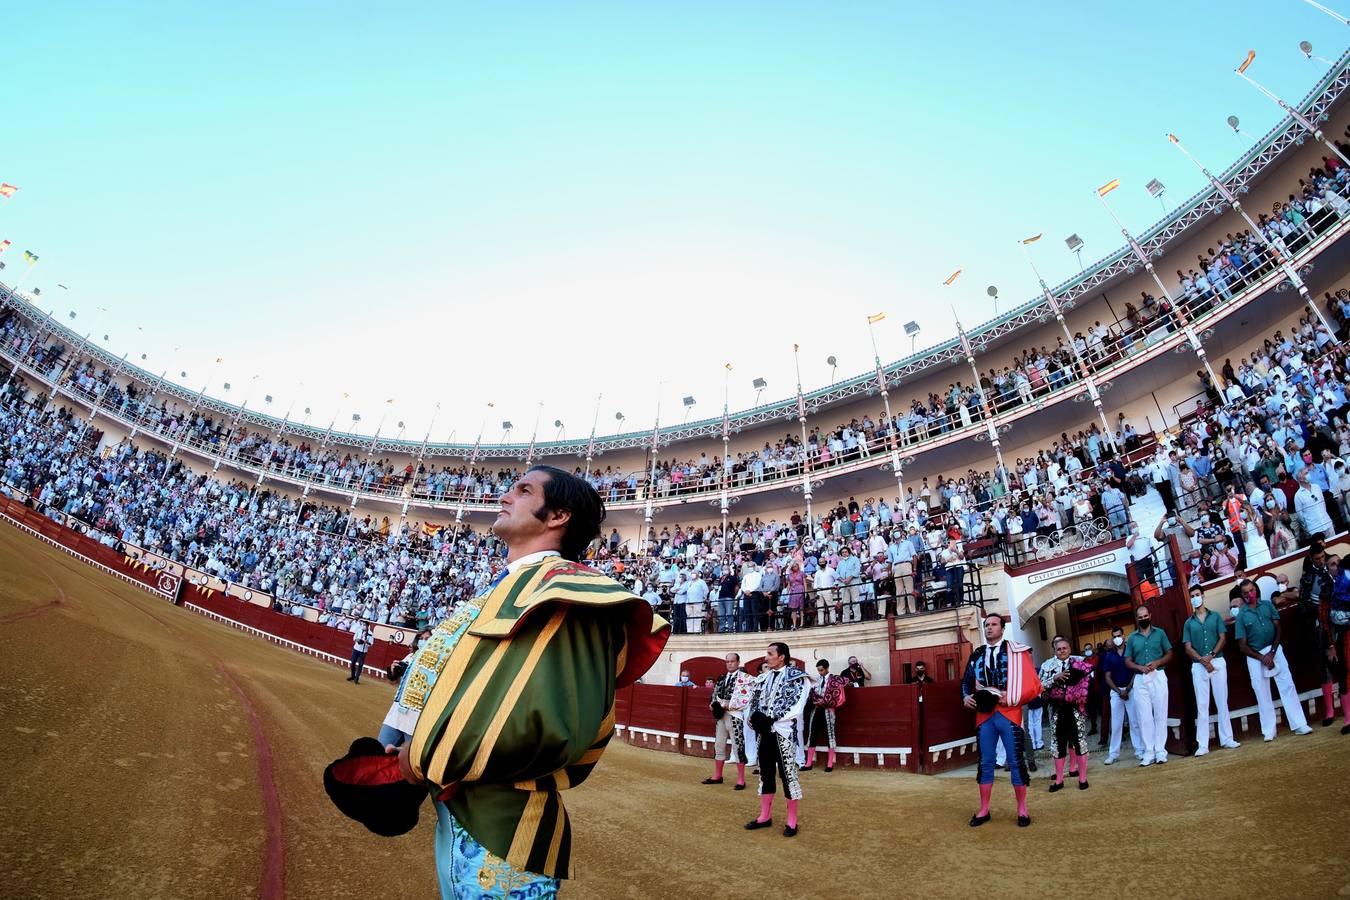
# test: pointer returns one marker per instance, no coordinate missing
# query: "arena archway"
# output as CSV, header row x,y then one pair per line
x,y
1084,607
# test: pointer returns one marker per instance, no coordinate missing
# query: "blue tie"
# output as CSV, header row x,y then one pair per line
x,y
500,576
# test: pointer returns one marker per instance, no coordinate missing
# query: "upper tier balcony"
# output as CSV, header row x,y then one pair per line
x,y
890,451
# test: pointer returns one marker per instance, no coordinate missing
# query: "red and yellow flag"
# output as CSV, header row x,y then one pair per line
x,y
952,277
1033,239
1108,187
7,189
4,245
1251,55
872,320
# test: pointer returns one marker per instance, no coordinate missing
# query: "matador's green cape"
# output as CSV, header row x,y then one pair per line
x,y
523,705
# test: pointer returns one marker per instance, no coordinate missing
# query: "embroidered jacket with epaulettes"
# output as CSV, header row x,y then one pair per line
x,y
521,706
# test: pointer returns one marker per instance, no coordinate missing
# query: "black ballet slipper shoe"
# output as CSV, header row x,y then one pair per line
x,y
977,820
756,823
712,781
1023,821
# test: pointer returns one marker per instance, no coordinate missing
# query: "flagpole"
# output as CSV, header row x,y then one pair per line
x,y
1276,246
61,376
421,455
1241,72
991,417
1182,319
806,456
1094,392
884,387
98,396
529,452
473,457
1331,12
356,489
322,444
370,450
103,388
726,453
238,414
590,443
27,353
32,261
649,509
145,401
263,464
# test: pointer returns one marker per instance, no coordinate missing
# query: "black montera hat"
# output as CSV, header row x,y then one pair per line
x,y
366,785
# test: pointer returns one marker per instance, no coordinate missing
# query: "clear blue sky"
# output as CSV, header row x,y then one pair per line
x,y
460,204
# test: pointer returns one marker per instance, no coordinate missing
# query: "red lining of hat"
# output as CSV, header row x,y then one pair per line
x,y
368,770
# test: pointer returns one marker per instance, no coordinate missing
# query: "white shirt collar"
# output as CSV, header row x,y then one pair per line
x,y
513,567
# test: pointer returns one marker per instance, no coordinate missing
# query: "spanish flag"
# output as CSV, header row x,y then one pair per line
x,y
1108,187
728,367
4,245
1251,55
872,320
1032,240
29,257
952,277
7,189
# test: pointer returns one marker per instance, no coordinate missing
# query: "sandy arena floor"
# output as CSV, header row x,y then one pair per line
x,y
149,752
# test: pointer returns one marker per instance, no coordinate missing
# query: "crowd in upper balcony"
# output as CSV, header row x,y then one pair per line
x,y
1252,475
1274,431
317,555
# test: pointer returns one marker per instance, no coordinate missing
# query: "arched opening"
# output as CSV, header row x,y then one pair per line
x,y
1084,608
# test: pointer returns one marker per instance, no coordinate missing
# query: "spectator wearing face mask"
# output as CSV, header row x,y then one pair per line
x,y
1173,525
1210,535
856,674
1141,552
1203,638
1114,503
1147,653
1118,679
1222,562
1276,526
1310,506
1237,512
1257,628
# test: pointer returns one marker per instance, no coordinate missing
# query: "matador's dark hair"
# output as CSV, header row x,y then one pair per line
x,y
565,491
